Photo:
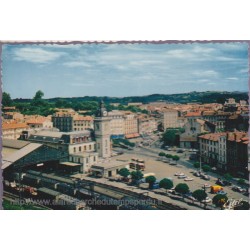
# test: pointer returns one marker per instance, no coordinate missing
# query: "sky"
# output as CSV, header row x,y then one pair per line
x,y
123,69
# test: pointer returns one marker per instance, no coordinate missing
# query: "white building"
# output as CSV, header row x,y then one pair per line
x,y
102,132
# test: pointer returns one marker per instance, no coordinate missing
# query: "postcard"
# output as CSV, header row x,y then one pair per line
x,y
125,125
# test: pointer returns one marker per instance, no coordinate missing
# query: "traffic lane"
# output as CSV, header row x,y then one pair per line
x,y
165,170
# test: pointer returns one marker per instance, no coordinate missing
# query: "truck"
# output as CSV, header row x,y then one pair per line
x,y
216,188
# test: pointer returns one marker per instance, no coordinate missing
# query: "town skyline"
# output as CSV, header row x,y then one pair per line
x,y
120,70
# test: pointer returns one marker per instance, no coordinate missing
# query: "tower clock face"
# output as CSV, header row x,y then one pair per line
x,y
105,113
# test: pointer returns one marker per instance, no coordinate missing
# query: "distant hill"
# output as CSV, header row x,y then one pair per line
x,y
201,97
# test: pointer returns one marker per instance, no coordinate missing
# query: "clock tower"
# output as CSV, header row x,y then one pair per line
x,y
102,132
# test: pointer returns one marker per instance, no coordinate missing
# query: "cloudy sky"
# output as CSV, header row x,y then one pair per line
x,y
123,69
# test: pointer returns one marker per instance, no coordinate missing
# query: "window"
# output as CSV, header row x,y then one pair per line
x,y
85,148
79,160
89,147
80,149
74,149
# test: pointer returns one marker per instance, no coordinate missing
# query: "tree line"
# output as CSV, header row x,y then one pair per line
x,y
40,106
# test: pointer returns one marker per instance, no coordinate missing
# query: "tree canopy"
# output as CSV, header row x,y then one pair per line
x,y
196,164
182,188
219,200
136,175
166,183
206,168
150,180
6,100
176,158
124,172
199,195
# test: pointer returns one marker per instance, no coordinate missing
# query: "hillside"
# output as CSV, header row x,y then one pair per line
x,y
201,97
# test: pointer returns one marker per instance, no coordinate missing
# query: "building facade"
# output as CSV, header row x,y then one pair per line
x,y
117,127
130,125
63,121
170,119
13,130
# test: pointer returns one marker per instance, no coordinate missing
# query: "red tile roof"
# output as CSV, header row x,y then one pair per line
x,y
212,136
190,114
14,125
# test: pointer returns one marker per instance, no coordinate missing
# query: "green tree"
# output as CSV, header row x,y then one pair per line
x,y
219,200
199,195
162,154
169,137
60,103
228,176
124,172
241,181
166,183
176,158
182,188
6,100
136,175
150,180
38,99
39,95
206,168
196,164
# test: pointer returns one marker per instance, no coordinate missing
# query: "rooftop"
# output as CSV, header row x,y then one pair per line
x,y
13,125
191,114
212,136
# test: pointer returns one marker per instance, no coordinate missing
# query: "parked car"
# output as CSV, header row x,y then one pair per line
x,y
222,192
197,174
178,174
179,151
238,189
182,176
188,179
206,177
220,182
206,186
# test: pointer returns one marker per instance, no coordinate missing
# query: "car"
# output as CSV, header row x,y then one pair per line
x,y
206,185
188,179
173,163
238,189
179,151
197,174
220,182
206,177
178,173
207,200
221,192
182,176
